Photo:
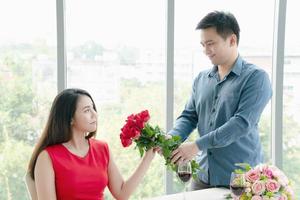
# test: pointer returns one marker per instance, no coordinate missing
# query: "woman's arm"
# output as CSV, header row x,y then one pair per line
x,y
121,189
44,177
30,186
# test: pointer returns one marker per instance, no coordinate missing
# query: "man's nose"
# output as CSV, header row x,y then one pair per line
x,y
206,50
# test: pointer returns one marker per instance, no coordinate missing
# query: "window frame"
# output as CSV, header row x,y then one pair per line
x,y
277,73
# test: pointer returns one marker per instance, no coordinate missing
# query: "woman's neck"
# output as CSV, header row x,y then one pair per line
x,y
78,141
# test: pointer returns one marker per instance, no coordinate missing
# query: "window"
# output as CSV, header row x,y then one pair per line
x,y
116,52
27,86
291,98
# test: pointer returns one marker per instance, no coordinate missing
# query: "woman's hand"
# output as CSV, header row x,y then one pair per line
x,y
150,154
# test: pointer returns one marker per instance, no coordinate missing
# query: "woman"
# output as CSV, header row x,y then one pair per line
x,y
68,163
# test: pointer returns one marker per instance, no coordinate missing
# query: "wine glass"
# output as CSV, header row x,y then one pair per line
x,y
184,172
237,184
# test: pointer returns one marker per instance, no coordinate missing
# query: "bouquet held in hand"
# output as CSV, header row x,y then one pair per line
x,y
138,130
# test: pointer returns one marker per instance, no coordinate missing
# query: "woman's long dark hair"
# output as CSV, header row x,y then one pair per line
x,y
58,127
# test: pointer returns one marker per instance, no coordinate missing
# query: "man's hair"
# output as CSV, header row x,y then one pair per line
x,y
224,22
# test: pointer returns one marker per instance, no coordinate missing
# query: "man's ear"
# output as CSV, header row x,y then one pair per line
x,y
233,40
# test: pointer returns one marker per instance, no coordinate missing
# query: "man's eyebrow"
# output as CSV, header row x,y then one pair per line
x,y
206,41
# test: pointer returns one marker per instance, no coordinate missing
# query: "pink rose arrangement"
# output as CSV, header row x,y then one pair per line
x,y
265,182
137,129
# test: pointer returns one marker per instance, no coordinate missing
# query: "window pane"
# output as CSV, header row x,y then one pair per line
x,y
291,97
255,47
116,52
27,86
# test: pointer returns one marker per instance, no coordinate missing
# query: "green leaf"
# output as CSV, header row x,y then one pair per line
x,y
239,171
244,166
152,137
141,150
228,196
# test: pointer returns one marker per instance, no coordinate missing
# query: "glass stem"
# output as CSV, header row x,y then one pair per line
x,y
185,190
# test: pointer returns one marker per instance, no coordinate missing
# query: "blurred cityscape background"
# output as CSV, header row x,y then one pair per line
x,y
117,51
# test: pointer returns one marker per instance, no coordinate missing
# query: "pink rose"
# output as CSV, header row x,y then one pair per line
x,y
279,175
283,197
258,187
288,191
282,179
253,175
256,197
267,172
269,198
272,185
248,190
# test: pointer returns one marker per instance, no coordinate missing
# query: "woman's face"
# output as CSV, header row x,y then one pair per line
x,y
85,117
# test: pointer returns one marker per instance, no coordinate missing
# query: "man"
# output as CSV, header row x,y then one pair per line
x,y
225,106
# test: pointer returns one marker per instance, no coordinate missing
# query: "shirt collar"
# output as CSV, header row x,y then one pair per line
x,y
237,67
213,71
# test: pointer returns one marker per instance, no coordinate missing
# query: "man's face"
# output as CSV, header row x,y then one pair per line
x,y
217,49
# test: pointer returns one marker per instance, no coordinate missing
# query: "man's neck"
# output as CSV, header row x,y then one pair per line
x,y
225,68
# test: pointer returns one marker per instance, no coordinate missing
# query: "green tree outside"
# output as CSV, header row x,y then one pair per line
x,y
23,113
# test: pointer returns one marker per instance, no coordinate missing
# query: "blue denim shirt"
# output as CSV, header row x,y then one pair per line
x,y
226,114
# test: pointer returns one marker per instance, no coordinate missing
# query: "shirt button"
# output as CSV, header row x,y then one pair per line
x,y
209,153
210,124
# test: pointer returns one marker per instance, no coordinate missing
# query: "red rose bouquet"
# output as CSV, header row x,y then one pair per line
x,y
138,130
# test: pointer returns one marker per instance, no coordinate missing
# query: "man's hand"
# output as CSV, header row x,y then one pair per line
x,y
185,152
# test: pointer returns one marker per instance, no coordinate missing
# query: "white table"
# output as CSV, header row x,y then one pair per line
x,y
206,194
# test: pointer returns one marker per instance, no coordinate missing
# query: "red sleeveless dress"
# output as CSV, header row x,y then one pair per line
x,y
80,177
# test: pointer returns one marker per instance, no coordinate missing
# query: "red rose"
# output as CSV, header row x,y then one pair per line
x,y
141,118
144,115
134,132
133,127
125,141
130,121
139,123
125,132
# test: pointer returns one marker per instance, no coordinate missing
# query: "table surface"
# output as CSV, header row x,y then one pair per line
x,y
206,194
